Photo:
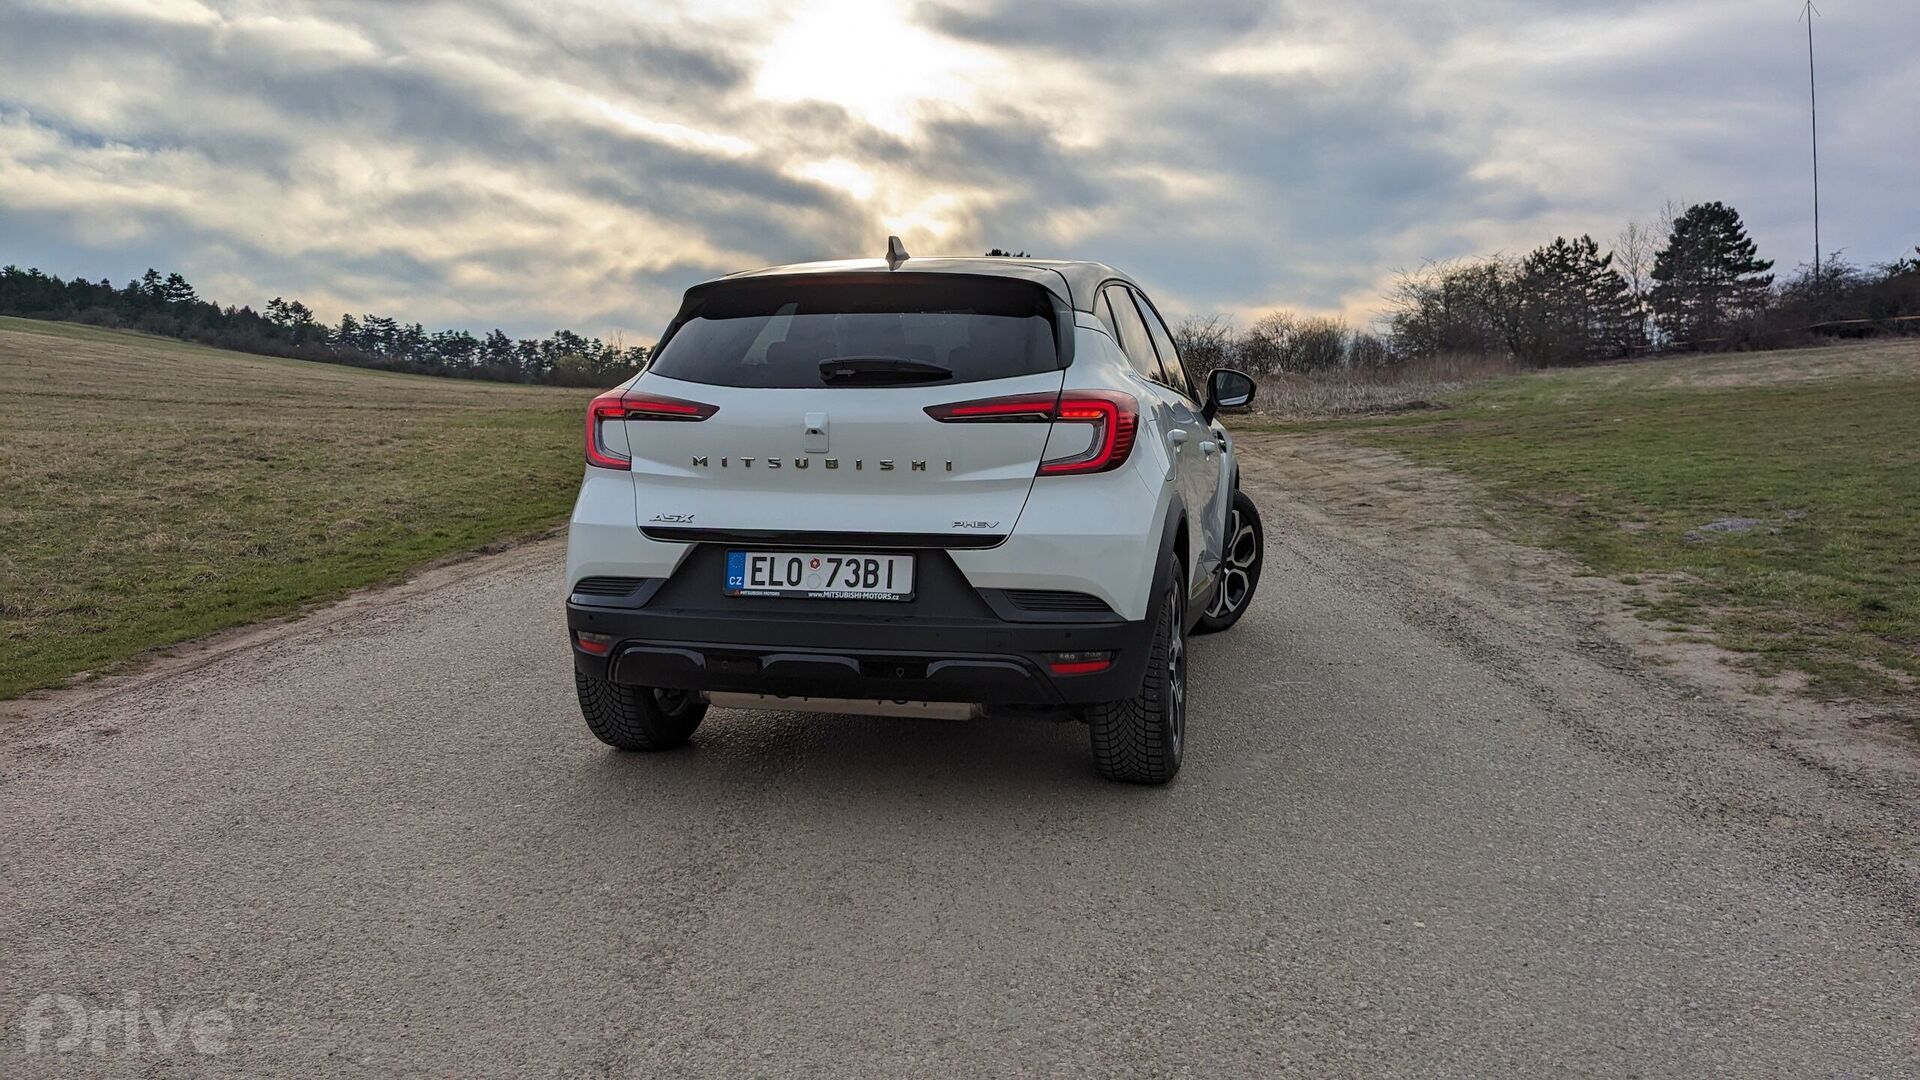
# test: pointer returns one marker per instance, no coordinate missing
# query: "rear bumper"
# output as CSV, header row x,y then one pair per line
x,y
766,662
948,644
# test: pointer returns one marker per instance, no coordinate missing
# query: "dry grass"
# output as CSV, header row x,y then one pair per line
x,y
153,491
1625,466
1872,361
1420,385
1374,392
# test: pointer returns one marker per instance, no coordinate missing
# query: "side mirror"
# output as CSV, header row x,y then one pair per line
x,y
1227,389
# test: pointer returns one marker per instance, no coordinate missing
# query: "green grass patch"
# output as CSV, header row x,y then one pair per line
x,y
1622,466
154,491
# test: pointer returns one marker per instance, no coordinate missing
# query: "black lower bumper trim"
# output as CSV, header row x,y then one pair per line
x,y
986,680
862,660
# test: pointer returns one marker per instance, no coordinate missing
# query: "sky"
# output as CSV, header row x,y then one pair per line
x,y
533,164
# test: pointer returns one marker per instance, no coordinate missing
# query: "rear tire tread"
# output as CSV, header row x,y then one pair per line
x,y
1130,737
629,718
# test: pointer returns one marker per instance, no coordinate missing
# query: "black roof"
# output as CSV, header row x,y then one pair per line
x,y
1073,281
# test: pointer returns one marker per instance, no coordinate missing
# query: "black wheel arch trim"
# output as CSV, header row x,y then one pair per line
x,y
1169,533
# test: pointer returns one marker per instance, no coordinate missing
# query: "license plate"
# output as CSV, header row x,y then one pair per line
x,y
820,575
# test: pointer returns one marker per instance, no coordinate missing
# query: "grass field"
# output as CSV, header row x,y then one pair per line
x,y
153,491
1622,466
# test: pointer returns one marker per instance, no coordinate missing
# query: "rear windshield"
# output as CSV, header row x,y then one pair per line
x,y
904,329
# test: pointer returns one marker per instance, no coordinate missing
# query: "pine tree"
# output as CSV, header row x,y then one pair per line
x,y
1570,305
1708,276
175,290
379,335
496,353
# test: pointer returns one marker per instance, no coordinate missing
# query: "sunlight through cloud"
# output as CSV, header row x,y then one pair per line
x,y
869,59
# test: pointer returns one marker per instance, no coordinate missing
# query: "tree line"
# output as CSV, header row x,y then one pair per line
x,y
1693,280
170,306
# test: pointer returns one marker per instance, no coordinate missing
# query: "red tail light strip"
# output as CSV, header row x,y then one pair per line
x,y
631,405
1115,416
1020,409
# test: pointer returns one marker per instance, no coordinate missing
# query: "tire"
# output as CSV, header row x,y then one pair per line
x,y
1239,567
638,717
1140,740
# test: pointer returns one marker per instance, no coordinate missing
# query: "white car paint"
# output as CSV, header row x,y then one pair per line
x,y
1097,533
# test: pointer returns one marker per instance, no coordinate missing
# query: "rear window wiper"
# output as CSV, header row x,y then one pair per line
x,y
881,369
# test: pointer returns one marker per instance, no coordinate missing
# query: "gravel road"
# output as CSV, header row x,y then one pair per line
x,y
1411,838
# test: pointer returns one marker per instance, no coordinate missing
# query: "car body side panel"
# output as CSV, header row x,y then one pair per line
x,y
1201,464
1172,428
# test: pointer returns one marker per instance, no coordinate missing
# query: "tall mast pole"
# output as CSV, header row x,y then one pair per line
x,y
1813,102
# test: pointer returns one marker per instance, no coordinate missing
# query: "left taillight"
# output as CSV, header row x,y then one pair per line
x,y
634,405
1113,415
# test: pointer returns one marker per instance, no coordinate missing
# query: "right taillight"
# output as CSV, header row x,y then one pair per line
x,y
1114,416
634,405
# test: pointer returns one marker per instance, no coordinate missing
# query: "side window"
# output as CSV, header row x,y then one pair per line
x,y
1134,339
1170,364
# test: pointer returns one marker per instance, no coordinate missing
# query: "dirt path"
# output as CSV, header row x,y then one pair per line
x,y
1545,620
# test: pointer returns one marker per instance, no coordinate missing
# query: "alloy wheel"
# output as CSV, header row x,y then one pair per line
x,y
1236,570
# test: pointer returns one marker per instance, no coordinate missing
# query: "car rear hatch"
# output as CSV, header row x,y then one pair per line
x,y
796,408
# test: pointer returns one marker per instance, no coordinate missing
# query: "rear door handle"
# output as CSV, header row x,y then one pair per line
x,y
1177,437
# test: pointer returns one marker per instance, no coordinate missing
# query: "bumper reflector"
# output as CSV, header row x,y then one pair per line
x,y
592,644
1079,663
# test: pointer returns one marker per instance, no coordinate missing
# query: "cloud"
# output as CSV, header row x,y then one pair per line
x,y
535,164
1112,31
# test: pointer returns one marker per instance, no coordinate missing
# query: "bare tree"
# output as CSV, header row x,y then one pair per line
x,y
1670,212
1206,342
1457,306
1369,352
1633,252
1263,347
1284,342
1319,344
1633,255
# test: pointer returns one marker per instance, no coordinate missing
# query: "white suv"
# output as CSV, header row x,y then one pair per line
x,y
921,486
